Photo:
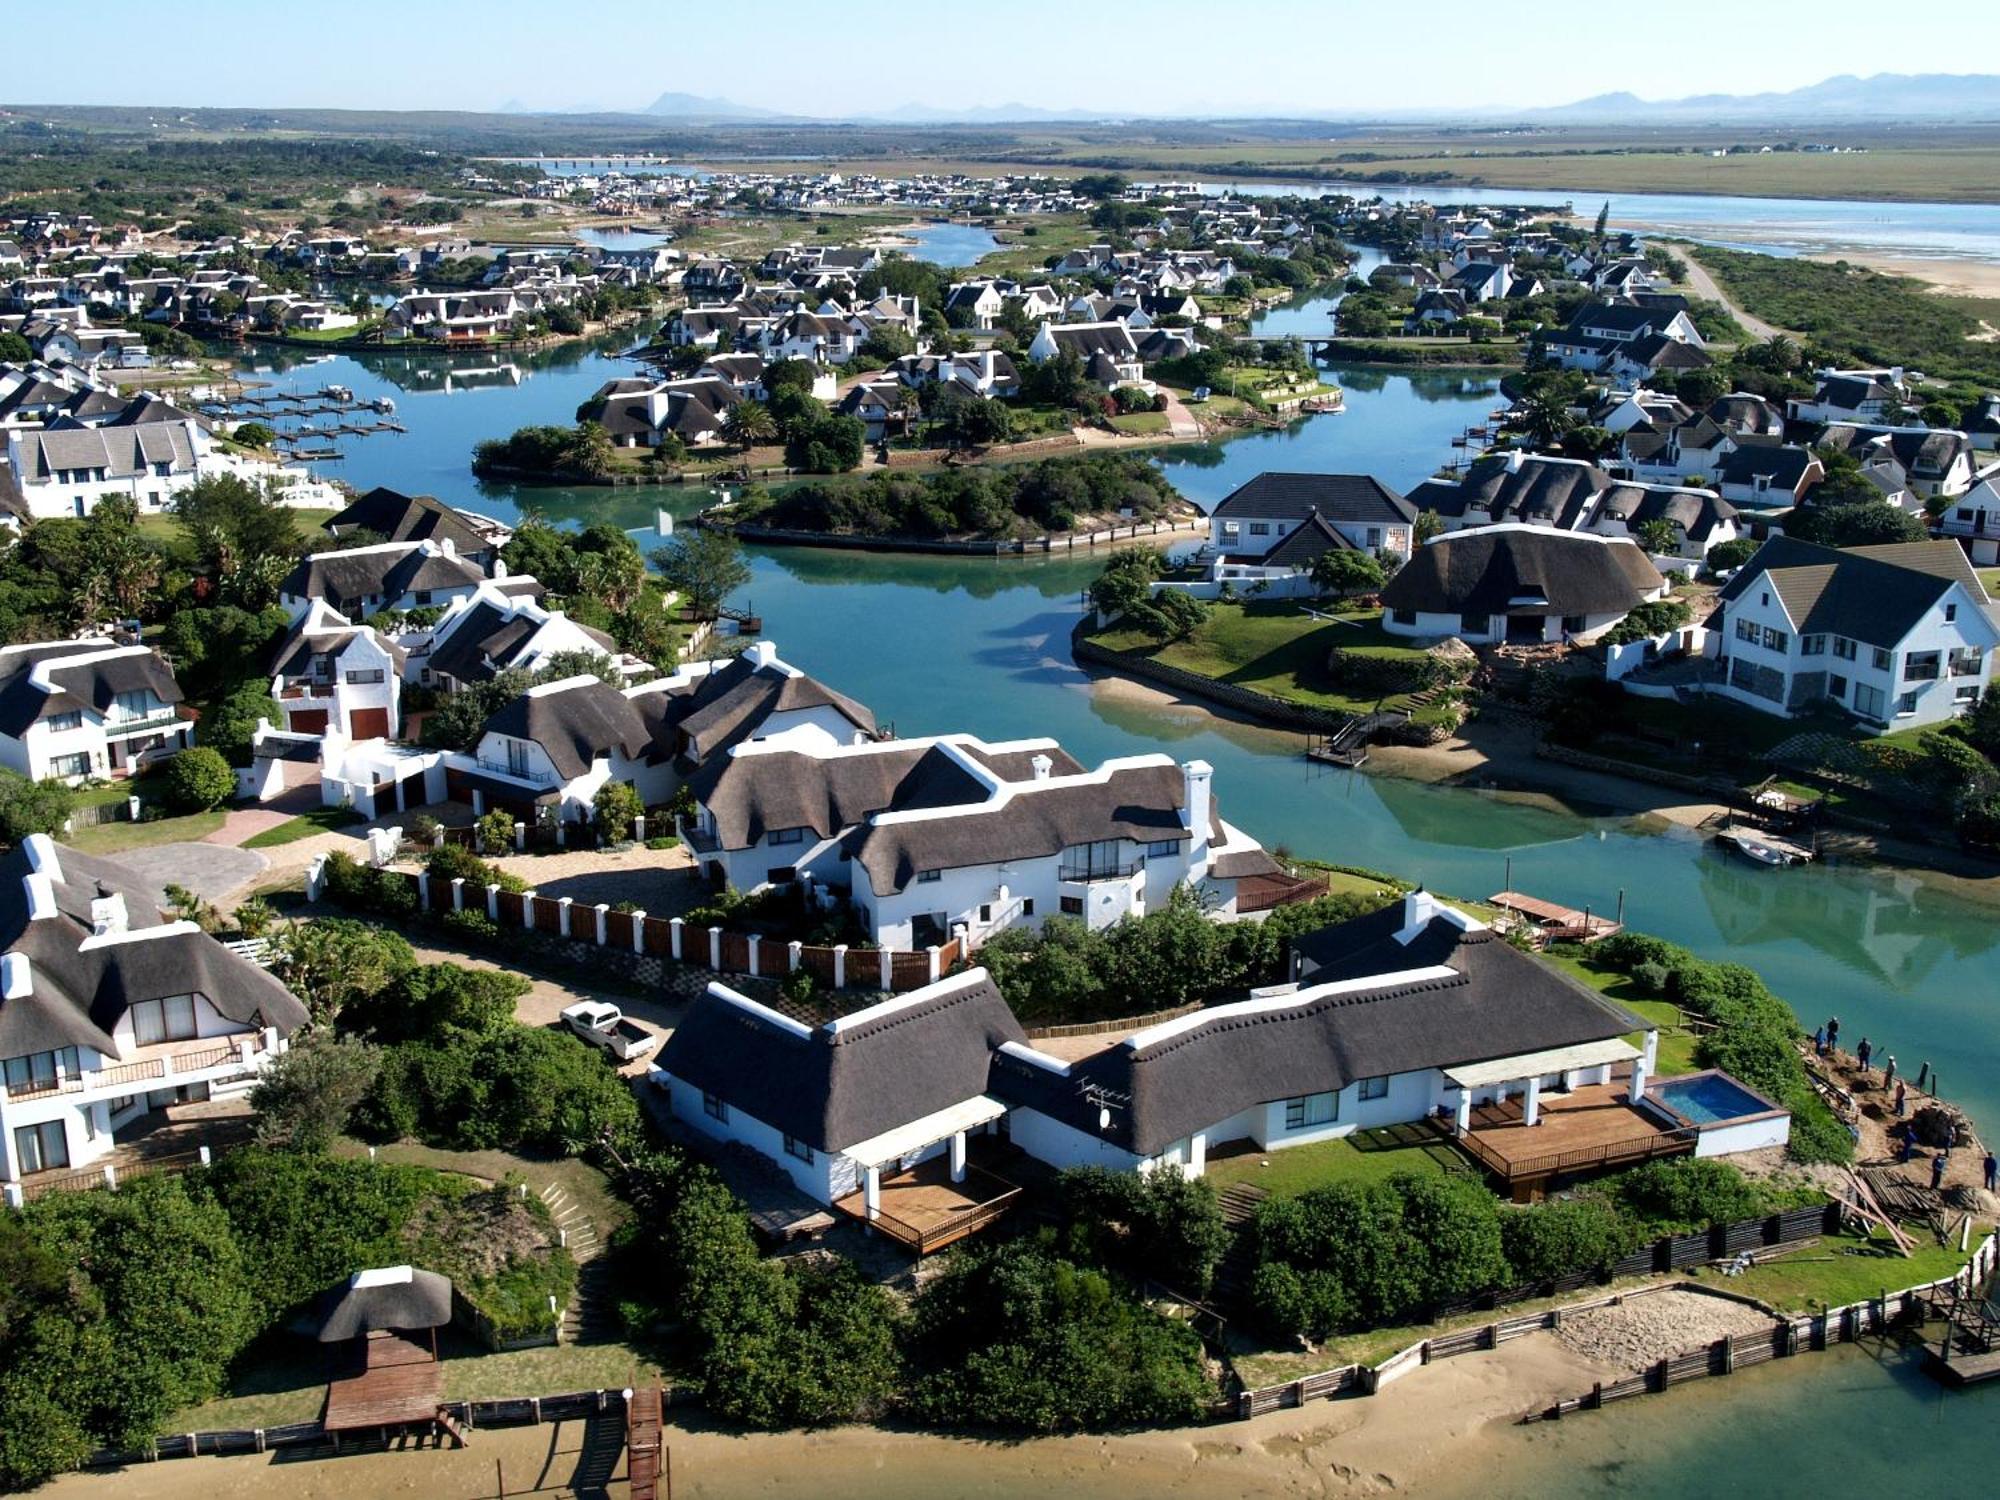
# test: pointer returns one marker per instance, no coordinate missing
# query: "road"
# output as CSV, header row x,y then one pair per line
x,y
1701,284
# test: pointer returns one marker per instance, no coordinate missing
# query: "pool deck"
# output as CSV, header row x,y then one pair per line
x,y
1586,1129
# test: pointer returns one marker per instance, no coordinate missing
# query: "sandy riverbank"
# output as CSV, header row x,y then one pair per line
x,y
1442,1422
1950,278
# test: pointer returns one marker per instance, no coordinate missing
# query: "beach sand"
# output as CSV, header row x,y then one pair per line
x,y
1442,1421
1951,278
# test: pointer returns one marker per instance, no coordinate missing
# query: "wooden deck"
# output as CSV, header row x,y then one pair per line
x,y
924,1210
1553,923
401,1383
1583,1130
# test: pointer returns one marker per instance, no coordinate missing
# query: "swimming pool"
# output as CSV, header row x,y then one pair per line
x,y
1708,1098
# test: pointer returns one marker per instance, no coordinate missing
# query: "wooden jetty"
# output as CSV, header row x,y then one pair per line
x,y
1968,1351
1552,923
642,1443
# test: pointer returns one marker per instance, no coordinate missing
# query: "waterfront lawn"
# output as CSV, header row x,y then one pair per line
x,y
1677,1042
1363,1157
1845,1268
284,1379
162,526
1271,646
1141,423
319,820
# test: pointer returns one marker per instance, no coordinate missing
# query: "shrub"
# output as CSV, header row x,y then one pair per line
x,y
1160,1225
196,780
305,1098
615,807
1018,1338
496,830
33,806
451,862
1652,978
1686,1194
1561,1237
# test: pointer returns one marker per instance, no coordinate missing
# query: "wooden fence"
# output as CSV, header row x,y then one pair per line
x,y
509,1411
839,967
1102,1028
1662,1256
1799,1333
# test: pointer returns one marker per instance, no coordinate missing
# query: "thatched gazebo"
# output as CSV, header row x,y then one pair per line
x,y
391,1379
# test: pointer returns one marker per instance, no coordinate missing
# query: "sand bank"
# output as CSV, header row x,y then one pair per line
x,y
1442,1422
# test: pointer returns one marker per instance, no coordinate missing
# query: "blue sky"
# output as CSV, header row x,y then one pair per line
x,y
818,57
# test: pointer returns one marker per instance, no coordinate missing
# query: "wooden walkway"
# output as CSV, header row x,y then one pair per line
x,y
1553,923
642,1443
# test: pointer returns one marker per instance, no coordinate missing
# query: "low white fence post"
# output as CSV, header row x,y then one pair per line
x,y
603,911
564,905
840,966
639,931
458,893
493,903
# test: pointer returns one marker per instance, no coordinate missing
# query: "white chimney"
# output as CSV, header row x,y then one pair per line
x,y
41,850
41,896
447,546
108,917
499,569
1197,776
764,654
1043,765
17,977
1419,907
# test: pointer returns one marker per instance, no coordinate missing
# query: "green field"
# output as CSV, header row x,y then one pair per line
x,y
111,838
1677,1043
1271,646
320,820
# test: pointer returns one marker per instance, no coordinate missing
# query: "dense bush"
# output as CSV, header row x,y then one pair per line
x,y
972,502
1158,1225
450,862
1380,1252
1174,955
1685,1194
515,1088
548,453
33,806
1018,1338
1562,1237
778,1344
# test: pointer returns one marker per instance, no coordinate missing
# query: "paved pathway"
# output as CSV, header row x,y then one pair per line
x,y
215,874
1180,421
1702,284
241,823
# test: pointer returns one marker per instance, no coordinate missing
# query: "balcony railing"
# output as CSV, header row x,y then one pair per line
x,y
1967,666
518,773
1085,874
1927,671
125,724
147,1072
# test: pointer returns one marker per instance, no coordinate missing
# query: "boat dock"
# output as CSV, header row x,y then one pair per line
x,y
1553,923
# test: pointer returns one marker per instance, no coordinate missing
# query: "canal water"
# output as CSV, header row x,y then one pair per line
x,y
938,644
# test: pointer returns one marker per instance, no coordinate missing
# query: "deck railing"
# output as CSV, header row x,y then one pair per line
x,y
1528,1168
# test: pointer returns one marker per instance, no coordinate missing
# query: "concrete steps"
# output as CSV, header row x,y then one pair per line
x,y
592,1313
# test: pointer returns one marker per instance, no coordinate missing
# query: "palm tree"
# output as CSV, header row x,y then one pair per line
x,y
748,423
1545,418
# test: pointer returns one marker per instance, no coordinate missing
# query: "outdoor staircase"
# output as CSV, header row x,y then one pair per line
x,y
592,1314
1232,1275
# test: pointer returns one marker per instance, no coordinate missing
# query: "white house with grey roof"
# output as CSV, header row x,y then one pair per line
x,y
950,835
109,1011
1518,584
1412,1012
1272,529
87,708
331,674
364,581
1899,636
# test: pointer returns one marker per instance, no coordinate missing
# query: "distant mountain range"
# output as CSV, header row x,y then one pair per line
x,y
1886,96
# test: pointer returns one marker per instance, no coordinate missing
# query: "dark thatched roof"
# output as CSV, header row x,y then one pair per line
x,y
396,1298
1523,570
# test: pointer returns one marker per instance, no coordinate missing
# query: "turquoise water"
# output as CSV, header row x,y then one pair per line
x,y
1707,1100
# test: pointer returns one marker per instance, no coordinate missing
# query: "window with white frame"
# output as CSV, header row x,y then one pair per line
x,y
1776,640
1843,648
1867,700
926,877
62,723
167,1020
799,1149
1163,848
1812,645
1311,1109
715,1107
785,836
1374,1088
1885,661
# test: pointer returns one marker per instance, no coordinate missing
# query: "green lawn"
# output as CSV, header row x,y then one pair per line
x,y
587,1187
320,820
1677,1044
1990,577
1365,1156
1141,423
284,1379
162,525
1272,646
1845,1268
111,838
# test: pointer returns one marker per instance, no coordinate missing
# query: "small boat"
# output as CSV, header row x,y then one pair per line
x,y
1765,849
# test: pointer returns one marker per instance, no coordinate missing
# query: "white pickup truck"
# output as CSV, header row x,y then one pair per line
x,y
605,1026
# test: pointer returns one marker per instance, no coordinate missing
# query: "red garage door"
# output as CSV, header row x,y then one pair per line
x,y
370,723
307,721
